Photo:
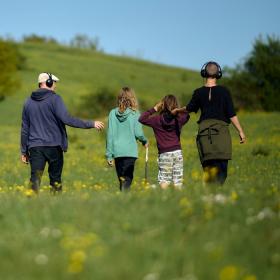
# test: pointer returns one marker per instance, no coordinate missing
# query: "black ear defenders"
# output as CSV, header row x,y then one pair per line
x,y
205,74
49,81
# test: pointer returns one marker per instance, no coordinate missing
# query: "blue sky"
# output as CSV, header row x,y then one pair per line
x,y
176,32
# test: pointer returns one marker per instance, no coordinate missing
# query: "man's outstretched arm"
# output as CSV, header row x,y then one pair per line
x,y
62,114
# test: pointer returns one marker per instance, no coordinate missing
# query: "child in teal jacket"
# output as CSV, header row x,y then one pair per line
x,y
123,132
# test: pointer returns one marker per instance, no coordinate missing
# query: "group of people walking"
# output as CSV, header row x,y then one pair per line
x,y
44,137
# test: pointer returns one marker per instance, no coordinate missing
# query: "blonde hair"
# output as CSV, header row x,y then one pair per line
x,y
127,99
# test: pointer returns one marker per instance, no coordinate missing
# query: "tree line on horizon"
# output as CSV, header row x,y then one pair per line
x,y
254,83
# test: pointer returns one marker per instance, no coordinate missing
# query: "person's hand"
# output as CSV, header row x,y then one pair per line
x,y
158,106
179,111
242,137
175,111
110,162
25,159
146,145
98,125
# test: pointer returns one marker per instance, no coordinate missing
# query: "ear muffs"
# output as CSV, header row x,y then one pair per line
x,y
205,74
49,81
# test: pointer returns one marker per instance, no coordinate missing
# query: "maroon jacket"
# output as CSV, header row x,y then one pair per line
x,y
167,129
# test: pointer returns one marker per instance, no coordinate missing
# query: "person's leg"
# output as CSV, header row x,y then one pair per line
x,y
178,167
128,170
222,174
55,159
164,185
210,171
215,171
125,169
118,165
37,165
165,170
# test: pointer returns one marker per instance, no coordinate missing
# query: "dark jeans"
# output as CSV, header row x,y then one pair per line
x,y
38,157
125,169
216,170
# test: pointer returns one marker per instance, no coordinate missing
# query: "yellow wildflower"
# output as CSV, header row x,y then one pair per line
x,y
229,272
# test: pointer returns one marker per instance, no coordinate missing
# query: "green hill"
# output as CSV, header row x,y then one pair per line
x,y
84,71
92,231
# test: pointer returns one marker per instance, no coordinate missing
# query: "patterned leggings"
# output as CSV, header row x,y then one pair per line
x,y
170,166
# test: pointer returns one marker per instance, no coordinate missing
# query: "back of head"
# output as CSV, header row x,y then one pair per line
x,y
127,99
47,80
169,103
211,70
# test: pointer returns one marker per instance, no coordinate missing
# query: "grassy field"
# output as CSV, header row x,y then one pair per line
x,y
92,231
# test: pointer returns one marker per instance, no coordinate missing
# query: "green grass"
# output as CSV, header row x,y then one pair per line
x,y
92,231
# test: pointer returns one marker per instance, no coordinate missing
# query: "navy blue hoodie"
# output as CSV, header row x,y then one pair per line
x,y
44,117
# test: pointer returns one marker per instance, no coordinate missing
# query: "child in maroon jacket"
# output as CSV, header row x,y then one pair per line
x,y
167,129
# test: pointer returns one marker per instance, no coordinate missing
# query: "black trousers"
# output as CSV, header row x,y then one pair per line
x,y
38,157
125,169
216,169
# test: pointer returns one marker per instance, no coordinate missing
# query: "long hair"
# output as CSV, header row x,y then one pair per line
x,y
169,102
127,99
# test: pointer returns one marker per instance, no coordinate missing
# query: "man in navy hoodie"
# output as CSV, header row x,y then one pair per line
x,y
43,132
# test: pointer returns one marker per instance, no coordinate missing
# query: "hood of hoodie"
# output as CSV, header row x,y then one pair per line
x,y
122,116
169,121
41,94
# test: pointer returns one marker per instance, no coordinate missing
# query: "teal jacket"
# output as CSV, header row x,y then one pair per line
x,y
123,131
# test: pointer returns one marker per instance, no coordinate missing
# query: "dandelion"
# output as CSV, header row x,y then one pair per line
x,y
250,277
184,202
206,177
229,272
195,175
45,232
233,196
220,198
190,277
85,196
186,206
20,188
265,213
77,259
151,276
41,259
56,233
29,193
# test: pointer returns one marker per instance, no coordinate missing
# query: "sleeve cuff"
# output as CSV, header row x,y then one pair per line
x,y
152,110
144,142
